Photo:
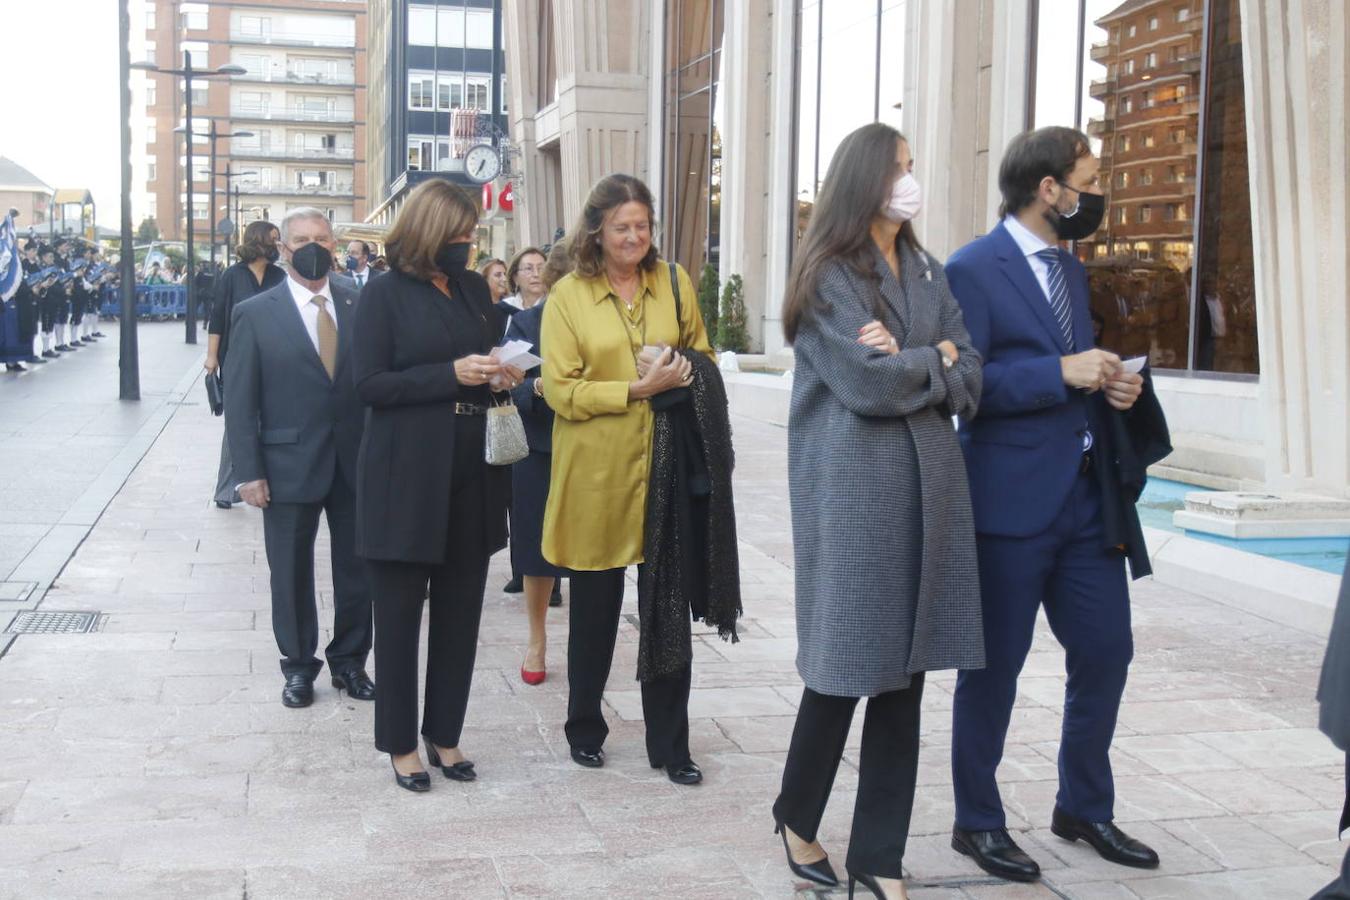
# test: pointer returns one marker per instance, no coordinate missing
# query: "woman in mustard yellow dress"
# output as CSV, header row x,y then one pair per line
x,y
618,300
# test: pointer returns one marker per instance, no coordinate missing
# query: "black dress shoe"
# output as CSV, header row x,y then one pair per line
x,y
820,871
555,598
514,586
99,334
63,348
36,360
868,881
16,367
356,683
684,773
50,354
996,853
591,759
1109,841
224,504
417,782
460,771
298,692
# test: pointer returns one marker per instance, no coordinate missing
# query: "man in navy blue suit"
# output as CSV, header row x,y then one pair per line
x,y
1030,457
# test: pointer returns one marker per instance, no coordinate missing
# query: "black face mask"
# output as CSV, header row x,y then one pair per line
x,y
312,261
1085,219
272,252
452,259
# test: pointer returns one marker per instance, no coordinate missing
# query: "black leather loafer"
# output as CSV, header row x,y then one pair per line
x,y
684,773
1112,844
417,782
514,586
356,683
591,759
298,692
996,853
555,598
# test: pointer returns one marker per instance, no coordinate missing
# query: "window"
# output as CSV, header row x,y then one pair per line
x,y
194,16
420,91
1122,179
199,211
150,19
150,53
452,29
1152,23
503,103
1148,139
1146,100
150,133
200,95
1124,143
255,26
1129,67
1131,31
1126,105
1183,13
1151,60
1145,214
1170,212
149,93
460,91
1182,91
197,54
1173,174
151,171
1183,213
1145,176
1122,215
419,153
1178,136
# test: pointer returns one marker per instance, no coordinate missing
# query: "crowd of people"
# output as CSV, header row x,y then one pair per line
x,y
399,405
55,302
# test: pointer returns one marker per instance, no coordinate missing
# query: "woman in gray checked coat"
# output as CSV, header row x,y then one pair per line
x,y
887,585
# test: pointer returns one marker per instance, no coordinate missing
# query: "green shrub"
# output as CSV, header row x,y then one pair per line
x,y
707,298
732,331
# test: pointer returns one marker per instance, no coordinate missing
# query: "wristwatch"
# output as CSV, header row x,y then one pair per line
x,y
538,388
947,361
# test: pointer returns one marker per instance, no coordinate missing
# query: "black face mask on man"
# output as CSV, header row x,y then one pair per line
x,y
1083,220
312,261
452,259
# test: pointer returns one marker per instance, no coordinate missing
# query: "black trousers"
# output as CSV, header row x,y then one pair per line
x,y
455,608
888,771
593,627
28,319
49,310
289,530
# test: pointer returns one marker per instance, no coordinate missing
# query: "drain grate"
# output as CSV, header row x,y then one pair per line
x,y
38,621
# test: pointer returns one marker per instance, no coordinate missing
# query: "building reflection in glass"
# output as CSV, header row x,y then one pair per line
x,y
1146,70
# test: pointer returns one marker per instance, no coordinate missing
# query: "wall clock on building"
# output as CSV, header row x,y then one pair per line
x,y
482,163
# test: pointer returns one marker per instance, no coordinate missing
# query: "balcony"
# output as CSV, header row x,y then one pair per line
x,y
341,189
1100,52
1190,63
299,79
1099,128
1101,87
340,154
284,39
253,112
1193,25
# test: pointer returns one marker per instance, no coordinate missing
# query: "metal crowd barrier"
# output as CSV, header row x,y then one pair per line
x,y
153,301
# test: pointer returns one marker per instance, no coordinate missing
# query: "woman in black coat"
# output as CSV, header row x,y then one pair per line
x,y
429,510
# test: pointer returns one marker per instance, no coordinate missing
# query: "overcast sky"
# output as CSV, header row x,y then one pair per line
x,y
64,127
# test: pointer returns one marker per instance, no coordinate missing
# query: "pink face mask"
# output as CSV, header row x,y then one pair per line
x,y
906,199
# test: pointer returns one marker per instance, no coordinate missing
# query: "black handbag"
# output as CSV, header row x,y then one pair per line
x,y
215,393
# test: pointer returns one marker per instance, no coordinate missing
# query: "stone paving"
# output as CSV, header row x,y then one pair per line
x,y
154,759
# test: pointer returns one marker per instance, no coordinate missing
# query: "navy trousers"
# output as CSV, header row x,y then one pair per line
x,y
1083,587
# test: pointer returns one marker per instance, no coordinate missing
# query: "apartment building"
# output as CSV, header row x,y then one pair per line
x,y
297,113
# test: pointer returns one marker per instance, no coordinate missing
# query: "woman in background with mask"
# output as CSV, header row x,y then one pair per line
x,y
255,272
883,363
429,510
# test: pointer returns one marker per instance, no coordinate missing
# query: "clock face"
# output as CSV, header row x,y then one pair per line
x,y
482,164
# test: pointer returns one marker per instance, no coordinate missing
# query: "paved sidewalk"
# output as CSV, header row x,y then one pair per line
x,y
154,759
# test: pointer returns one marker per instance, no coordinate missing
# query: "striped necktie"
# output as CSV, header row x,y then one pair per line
x,y
1059,294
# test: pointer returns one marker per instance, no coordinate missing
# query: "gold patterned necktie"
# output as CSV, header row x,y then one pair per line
x,y
327,336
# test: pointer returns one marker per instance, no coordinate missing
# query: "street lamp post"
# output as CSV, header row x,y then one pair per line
x,y
188,73
128,361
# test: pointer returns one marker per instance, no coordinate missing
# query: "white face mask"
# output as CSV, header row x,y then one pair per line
x,y
906,199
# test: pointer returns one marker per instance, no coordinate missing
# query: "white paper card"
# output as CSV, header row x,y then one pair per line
x,y
1134,365
516,353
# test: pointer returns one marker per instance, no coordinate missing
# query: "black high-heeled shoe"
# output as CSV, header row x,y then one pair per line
x,y
460,771
819,871
868,881
417,782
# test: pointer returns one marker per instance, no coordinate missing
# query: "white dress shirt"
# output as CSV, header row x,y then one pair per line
x,y
309,313
1030,245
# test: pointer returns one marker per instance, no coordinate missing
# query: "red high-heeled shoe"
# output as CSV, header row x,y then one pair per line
x,y
533,677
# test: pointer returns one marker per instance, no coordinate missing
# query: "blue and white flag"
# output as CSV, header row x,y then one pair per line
x,y
11,264
152,256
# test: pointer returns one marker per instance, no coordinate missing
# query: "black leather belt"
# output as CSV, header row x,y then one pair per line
x,y
1087,462
470,409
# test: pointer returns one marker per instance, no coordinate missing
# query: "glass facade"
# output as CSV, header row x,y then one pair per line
x,y
693,145
850,71
1159,90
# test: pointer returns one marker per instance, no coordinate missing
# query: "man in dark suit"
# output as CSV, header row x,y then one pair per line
x,y
1042,539
294,424
1333,696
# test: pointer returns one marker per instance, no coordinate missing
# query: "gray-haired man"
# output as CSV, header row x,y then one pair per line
x,y
294,426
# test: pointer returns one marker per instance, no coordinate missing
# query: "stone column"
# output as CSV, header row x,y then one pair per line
x,y
1294,57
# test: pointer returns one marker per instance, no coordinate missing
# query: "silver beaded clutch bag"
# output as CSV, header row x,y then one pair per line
x,y
505,435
